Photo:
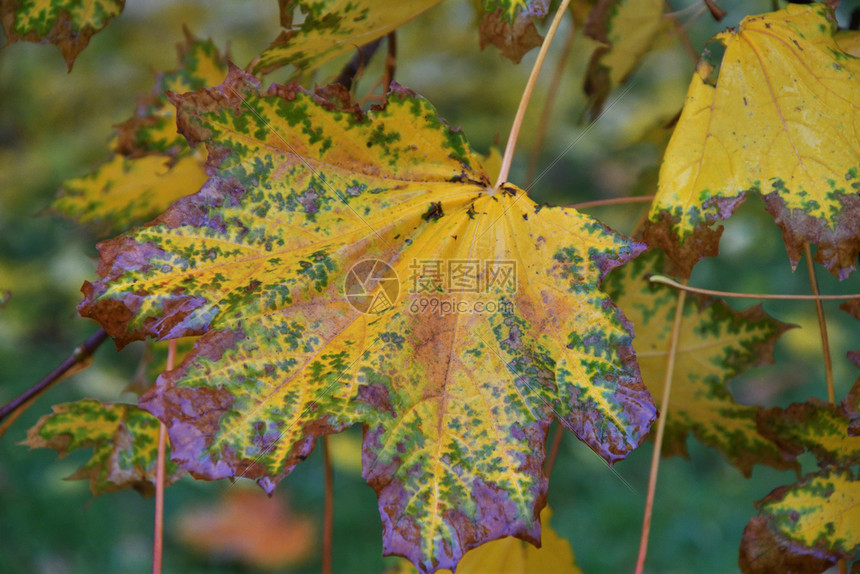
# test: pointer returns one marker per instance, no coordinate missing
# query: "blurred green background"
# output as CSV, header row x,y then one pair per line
x,y
55,126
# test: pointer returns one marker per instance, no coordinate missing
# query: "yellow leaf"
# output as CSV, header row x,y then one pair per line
x,y
309,264
779,115
627,29
804,527
333,27
126,190
815,426
514,556
716,343
152,165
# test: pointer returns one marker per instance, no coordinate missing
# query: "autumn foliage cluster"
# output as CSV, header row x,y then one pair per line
x,y
333,256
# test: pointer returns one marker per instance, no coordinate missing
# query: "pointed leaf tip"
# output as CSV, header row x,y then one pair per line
x,y
68,24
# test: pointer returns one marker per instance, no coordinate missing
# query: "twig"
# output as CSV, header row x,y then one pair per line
x,y
612,201
68,367
661,427
158,539
549,104
328,513
384,82
507,158
357,63
822,325
680,30
768,296
825,343
717,12
390,62
553,453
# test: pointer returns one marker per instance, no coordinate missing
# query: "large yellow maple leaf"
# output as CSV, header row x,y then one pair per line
x,y
347,267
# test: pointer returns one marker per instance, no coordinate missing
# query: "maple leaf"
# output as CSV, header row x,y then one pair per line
x,y
124,439
779,116
626,29
455,405
332,27
805,527
68,24
809,525
152,128
815,426
514,556
510,26
126,191
717,344
152,165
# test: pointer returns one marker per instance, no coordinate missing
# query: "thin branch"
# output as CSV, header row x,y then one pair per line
x,y
328,513
767,296
527,94
681,31
822,325
549,104
390,62
613,201
356,65
384,81
158,539
71,365
553,453
661,428
717,12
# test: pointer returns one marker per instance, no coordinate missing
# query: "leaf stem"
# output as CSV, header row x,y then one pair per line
x,y
328,513
661,428
822,325
527,94
68,367
767,296
549,104
158,538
